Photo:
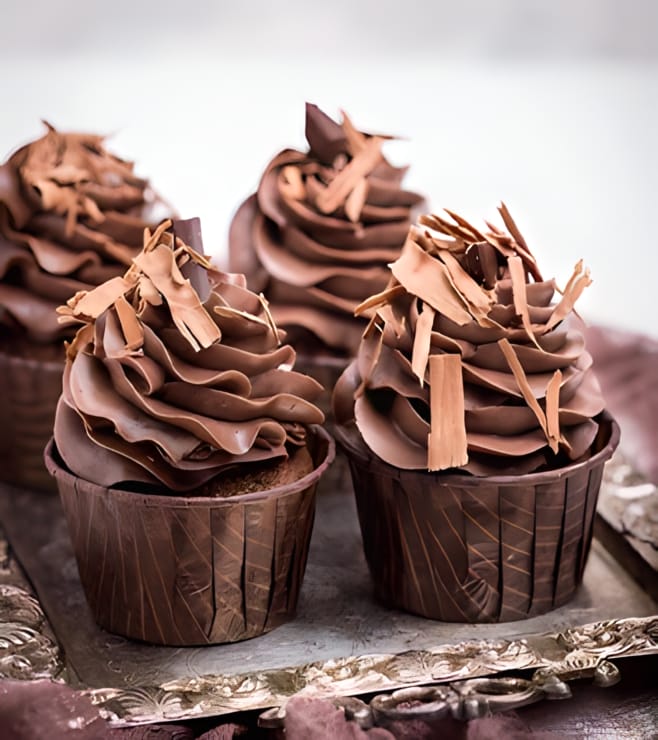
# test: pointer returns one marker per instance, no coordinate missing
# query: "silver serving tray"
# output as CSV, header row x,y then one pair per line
x,y
342,642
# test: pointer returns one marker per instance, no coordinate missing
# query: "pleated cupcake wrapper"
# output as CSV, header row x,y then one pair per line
x,y
465,549
30,390
176,570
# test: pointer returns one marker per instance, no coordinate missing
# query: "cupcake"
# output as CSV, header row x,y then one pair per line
x,y
317,236
186,451
72,216
475,428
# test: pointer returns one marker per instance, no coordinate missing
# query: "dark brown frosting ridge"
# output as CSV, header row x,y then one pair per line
x,y
318,234
72,215
160,388
472,360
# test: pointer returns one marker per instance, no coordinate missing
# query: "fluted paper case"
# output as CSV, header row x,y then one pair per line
x,y
458,548
176,570
30,391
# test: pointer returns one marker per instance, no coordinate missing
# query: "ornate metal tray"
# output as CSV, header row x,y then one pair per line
x,y
341,643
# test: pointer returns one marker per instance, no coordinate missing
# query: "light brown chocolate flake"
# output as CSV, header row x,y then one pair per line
x,y
269,318
292,183
553,410
517,276
356,200
578,281
187,312
355,139
131,327
429,279
446,442
345,181
379,299
522,382
422,342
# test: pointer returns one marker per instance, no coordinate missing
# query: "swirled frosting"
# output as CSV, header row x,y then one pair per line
x,y
162,388
72,215
469,363
318,234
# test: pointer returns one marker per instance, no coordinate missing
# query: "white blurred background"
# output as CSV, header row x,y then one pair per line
x,y
551,107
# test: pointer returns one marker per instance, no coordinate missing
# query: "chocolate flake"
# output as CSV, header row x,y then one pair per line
x,y
422,342
189,232
428,278
346,180
446,443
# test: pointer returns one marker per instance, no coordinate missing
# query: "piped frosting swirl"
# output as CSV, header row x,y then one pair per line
x,y
161,388
318,234
469,363
72,215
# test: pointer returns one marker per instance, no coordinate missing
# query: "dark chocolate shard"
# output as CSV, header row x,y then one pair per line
x,y
325,137
189,231
482,263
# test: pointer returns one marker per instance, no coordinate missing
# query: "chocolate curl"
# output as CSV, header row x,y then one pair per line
x,y
553,410
517,274
356,200
482,263
446,443
479,301
189,232
576,285
292,183
91,304
347,179
427,278
525,252
379,299
132,329
189,315
529,397
355,139
475,235
422,340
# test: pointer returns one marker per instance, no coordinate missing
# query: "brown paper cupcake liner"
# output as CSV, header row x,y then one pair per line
x,y
177,570
463,549
30,389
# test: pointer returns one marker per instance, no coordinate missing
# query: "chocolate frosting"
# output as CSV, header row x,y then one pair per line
x,y
72,215
318,234
160,388
469,363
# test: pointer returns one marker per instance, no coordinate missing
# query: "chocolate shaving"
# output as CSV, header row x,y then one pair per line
x,y
576,285
482,263
422,342
429,279
446,443
130,325
522,382
356,200
355,139
517,276
346,180
553,410
529,260
189,232
292,182
379,299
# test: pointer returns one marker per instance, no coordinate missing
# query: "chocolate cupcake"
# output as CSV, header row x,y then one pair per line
x,y
475,428
72,215
186,451
317,236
